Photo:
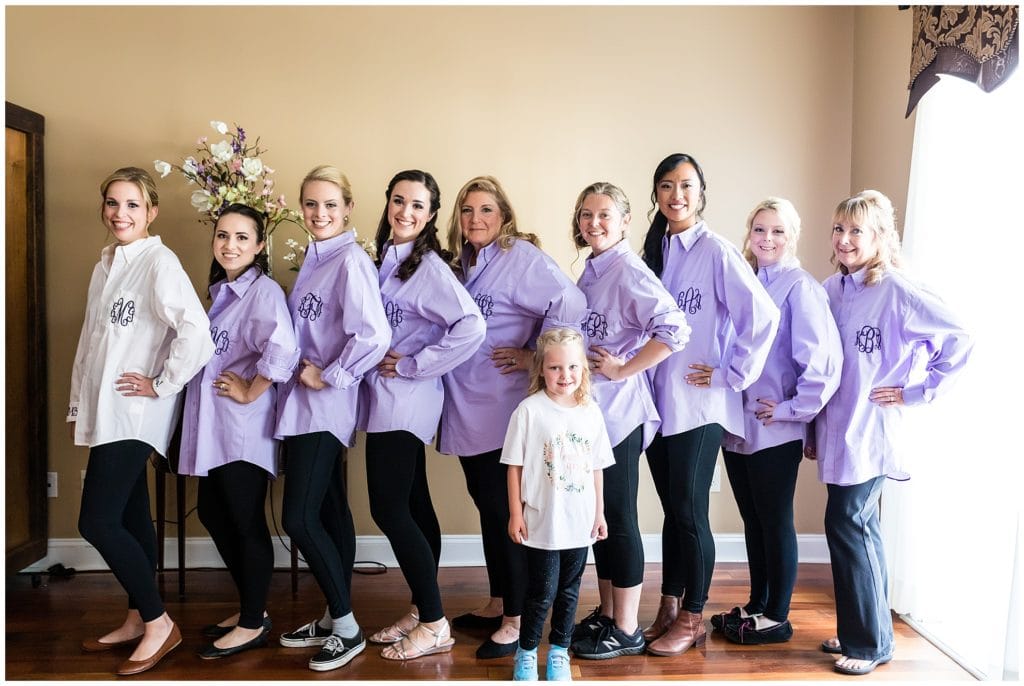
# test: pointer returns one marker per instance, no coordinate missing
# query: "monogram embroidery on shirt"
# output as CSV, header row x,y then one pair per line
x,y
73,411
122,312
689,300
486,304
220,340
596,325
394,314
311,307
869,339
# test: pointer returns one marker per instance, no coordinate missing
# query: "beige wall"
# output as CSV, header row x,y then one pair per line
x,y
548,99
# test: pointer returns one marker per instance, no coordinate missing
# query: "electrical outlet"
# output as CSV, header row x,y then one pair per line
x,y
716,479
51,484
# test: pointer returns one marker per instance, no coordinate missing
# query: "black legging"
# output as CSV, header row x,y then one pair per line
x,y
115,519
764,485
316,515
231,507
554,583
396,475
620,557
682,466
487,482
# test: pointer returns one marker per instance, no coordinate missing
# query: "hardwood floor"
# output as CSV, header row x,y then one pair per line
x,y
45,626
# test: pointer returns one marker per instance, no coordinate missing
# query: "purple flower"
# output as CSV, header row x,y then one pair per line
x,y
241,134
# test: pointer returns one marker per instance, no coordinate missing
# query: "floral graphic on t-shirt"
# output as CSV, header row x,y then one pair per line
x,y
565,462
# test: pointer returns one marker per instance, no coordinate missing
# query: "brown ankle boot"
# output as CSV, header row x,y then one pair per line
x,y
667,612
687,630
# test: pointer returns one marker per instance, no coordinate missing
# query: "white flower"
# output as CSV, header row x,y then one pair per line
x,y
190,166
219,126
201,201
222,151
252,167
162,167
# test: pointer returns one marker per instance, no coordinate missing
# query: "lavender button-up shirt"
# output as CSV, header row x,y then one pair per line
x,y
341,328
252,334
628,307
802,371
435,326
893,333
520,292
732,322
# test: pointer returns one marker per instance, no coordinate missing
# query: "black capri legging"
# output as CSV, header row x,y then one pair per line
x,y
487,482
620,557
231,507
396,475
316,515
682,466
115,519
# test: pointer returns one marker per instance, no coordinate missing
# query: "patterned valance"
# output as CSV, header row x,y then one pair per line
x,y
978,43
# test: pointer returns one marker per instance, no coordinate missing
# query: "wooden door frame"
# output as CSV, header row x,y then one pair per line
x,y
34,125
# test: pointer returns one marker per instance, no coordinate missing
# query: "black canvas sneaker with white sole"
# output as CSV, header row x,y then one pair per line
x,y
307,635
337,651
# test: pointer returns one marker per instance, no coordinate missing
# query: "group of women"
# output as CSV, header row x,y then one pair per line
x,y
693,347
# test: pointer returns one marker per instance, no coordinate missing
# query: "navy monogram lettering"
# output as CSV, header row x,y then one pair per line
x,y
394,314
311,307
486,304
122,312
689,300
220,340
869,339
73,410
596,326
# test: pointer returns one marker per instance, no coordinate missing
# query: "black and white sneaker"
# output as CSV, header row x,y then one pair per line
x,y
590,626
610,641
337,651
307,635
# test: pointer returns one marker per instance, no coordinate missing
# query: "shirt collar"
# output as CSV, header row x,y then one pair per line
x,y
857,278
129,252
239,286
485,254
394,255
601,263
768,274
321,250
687,239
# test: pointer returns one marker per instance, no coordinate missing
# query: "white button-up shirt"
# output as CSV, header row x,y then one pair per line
x,y
142,316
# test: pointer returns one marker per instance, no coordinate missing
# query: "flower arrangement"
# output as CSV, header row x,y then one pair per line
x,y
297,252
231,171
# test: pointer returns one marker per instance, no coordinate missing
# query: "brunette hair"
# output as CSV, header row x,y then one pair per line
x,y
600,188
790,221
560,336
427,240
507,234
652,241
872,210
262,260
140,177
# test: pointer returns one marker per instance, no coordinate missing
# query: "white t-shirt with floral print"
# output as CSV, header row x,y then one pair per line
x,y
559,448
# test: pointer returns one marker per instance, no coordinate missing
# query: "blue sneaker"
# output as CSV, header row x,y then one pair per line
x,y
558,664
524,665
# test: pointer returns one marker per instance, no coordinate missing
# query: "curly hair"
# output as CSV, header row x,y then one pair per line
x,y
872,210
427,240
507,234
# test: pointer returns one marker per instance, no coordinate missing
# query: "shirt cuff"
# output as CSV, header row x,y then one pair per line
x,y
163,388
913,395
72,412
277,368
336,376
407,367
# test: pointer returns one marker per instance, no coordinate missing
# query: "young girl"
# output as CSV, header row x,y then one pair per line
x,y
555,449
228,428
342,334
800,376
901,346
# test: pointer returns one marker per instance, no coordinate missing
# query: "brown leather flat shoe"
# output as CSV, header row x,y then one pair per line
x,y
94,645
688,630
130,667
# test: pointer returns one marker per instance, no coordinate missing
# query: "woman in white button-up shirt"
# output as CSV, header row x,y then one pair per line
x,y
145,335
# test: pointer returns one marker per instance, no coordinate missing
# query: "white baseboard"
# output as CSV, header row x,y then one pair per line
x,y
456,551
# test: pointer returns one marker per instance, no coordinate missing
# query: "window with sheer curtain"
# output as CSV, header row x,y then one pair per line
x,y
953,532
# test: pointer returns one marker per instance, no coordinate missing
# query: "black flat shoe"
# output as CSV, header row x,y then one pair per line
x,y
212,652
472,622
746,633
215,631
490,650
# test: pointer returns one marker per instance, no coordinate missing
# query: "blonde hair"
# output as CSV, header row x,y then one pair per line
x,y
613,192
872,210
507,234
330,174
790,221
140,177
560,336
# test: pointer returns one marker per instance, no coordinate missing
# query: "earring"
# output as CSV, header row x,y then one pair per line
x,y
345,219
